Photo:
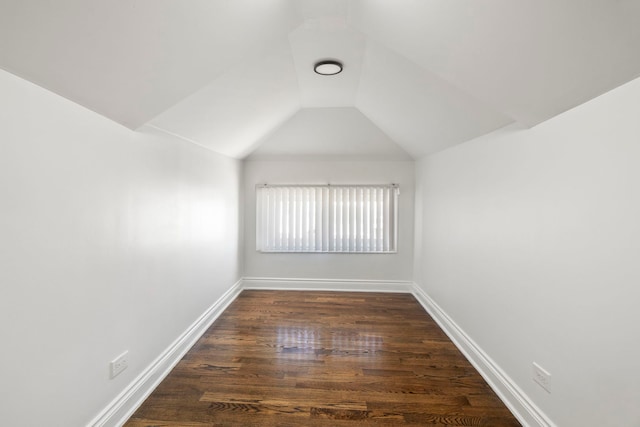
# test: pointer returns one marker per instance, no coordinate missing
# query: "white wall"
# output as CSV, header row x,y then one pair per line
x,y
110,240
331,266
530,241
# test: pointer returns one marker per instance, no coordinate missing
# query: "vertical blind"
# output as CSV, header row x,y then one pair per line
x,y
353,218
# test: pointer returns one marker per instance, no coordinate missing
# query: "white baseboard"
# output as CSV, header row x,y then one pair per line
x,y
513,397
125,404
350,285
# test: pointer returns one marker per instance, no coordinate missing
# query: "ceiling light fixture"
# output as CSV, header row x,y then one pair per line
x,y
327,68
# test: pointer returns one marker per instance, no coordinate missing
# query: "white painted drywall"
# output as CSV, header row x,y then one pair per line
x,y
328,134
110,240
530,241
331,266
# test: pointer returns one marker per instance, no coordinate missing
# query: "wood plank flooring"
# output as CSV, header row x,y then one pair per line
x,y
287,358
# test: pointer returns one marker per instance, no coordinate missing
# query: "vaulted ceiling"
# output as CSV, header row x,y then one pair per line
x,y
236,76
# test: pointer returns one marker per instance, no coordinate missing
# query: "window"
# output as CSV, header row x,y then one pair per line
x,y
327,218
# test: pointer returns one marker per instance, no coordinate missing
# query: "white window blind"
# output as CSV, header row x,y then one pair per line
x,y
340,218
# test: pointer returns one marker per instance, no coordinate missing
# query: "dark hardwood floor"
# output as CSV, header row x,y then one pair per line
x,y
286,358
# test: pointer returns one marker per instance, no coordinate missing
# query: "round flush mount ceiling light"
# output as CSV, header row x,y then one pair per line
x,y
327,68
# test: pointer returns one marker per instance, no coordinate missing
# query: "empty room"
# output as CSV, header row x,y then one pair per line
x,y
322,213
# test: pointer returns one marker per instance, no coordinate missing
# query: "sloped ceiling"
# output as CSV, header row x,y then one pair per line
x,y
341,133
236,76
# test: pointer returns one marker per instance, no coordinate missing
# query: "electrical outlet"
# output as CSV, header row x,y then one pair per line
x,y
119,364
542,377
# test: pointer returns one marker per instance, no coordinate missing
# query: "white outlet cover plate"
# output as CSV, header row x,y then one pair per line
x,y
119,364
542,377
